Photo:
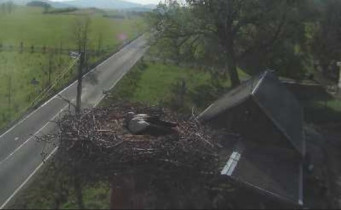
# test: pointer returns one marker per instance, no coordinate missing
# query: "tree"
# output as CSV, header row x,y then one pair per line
x,y
81,29
224,32
99,43
7,7
10,7
326,42
46,6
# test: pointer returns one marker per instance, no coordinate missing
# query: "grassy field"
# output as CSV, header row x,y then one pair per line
x,y
31,27
16,74
156,83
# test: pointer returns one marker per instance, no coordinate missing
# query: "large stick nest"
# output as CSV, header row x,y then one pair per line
x,y
97,141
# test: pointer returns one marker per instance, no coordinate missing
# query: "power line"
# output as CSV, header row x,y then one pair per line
x,y
48,89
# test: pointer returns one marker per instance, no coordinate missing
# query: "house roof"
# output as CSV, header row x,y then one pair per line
x,y
274,99
267,169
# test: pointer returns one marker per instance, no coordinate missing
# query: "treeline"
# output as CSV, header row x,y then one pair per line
x,y
48,9
114,16
125,14
296,38
61,10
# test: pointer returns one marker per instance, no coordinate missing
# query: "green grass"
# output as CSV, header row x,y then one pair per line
x,y
154,83
41,193
20,69
95,197
30,26
319,112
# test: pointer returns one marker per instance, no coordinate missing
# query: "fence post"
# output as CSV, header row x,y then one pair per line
x,y
339,84
21,47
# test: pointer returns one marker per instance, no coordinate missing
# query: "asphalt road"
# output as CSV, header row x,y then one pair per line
x,y
20,152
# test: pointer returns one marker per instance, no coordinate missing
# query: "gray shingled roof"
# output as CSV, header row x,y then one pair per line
x,y
276,101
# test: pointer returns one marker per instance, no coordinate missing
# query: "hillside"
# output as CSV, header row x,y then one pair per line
x,y
106,4
52,3
102,4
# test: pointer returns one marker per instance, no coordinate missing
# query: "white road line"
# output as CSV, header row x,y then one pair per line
x,y
55,149
34,111
103,96
112,86
28,179
42,128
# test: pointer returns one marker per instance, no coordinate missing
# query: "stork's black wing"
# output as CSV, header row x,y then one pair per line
x,y
156,121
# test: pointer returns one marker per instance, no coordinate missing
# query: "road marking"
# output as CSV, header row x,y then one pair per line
x,y
27,140
55,96
49,156
28,178
120,77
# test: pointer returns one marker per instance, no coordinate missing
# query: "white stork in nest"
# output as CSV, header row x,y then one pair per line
x,y
139,124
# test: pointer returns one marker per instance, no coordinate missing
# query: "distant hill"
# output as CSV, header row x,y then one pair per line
x,y
109,4
38,4
101,4
52,3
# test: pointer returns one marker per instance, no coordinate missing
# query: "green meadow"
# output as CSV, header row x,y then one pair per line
x,y
155,83
25,75
32,27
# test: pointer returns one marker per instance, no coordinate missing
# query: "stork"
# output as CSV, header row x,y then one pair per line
x,y
144,124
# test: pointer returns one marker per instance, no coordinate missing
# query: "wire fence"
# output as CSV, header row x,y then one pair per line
x,y
59,81
21,48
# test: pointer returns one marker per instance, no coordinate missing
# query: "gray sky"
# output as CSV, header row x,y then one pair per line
x,y
136,1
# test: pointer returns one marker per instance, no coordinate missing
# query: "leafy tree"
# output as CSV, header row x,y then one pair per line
x,y
7,7
80,35
227,33
326,42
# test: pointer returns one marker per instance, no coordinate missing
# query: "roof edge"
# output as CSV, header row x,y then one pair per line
x,y
221,111
299,150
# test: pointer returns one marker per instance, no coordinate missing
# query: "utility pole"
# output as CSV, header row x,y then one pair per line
x,y
50,69
9,90
79,85
339,84
80,33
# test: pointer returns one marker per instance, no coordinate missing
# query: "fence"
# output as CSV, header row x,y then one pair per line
x,y
105,53
21,48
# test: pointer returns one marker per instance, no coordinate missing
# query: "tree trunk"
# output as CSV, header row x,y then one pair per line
x,y
232,69
79,193
79,85
227,40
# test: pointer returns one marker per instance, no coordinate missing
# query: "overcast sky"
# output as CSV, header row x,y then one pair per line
x,y
136,1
